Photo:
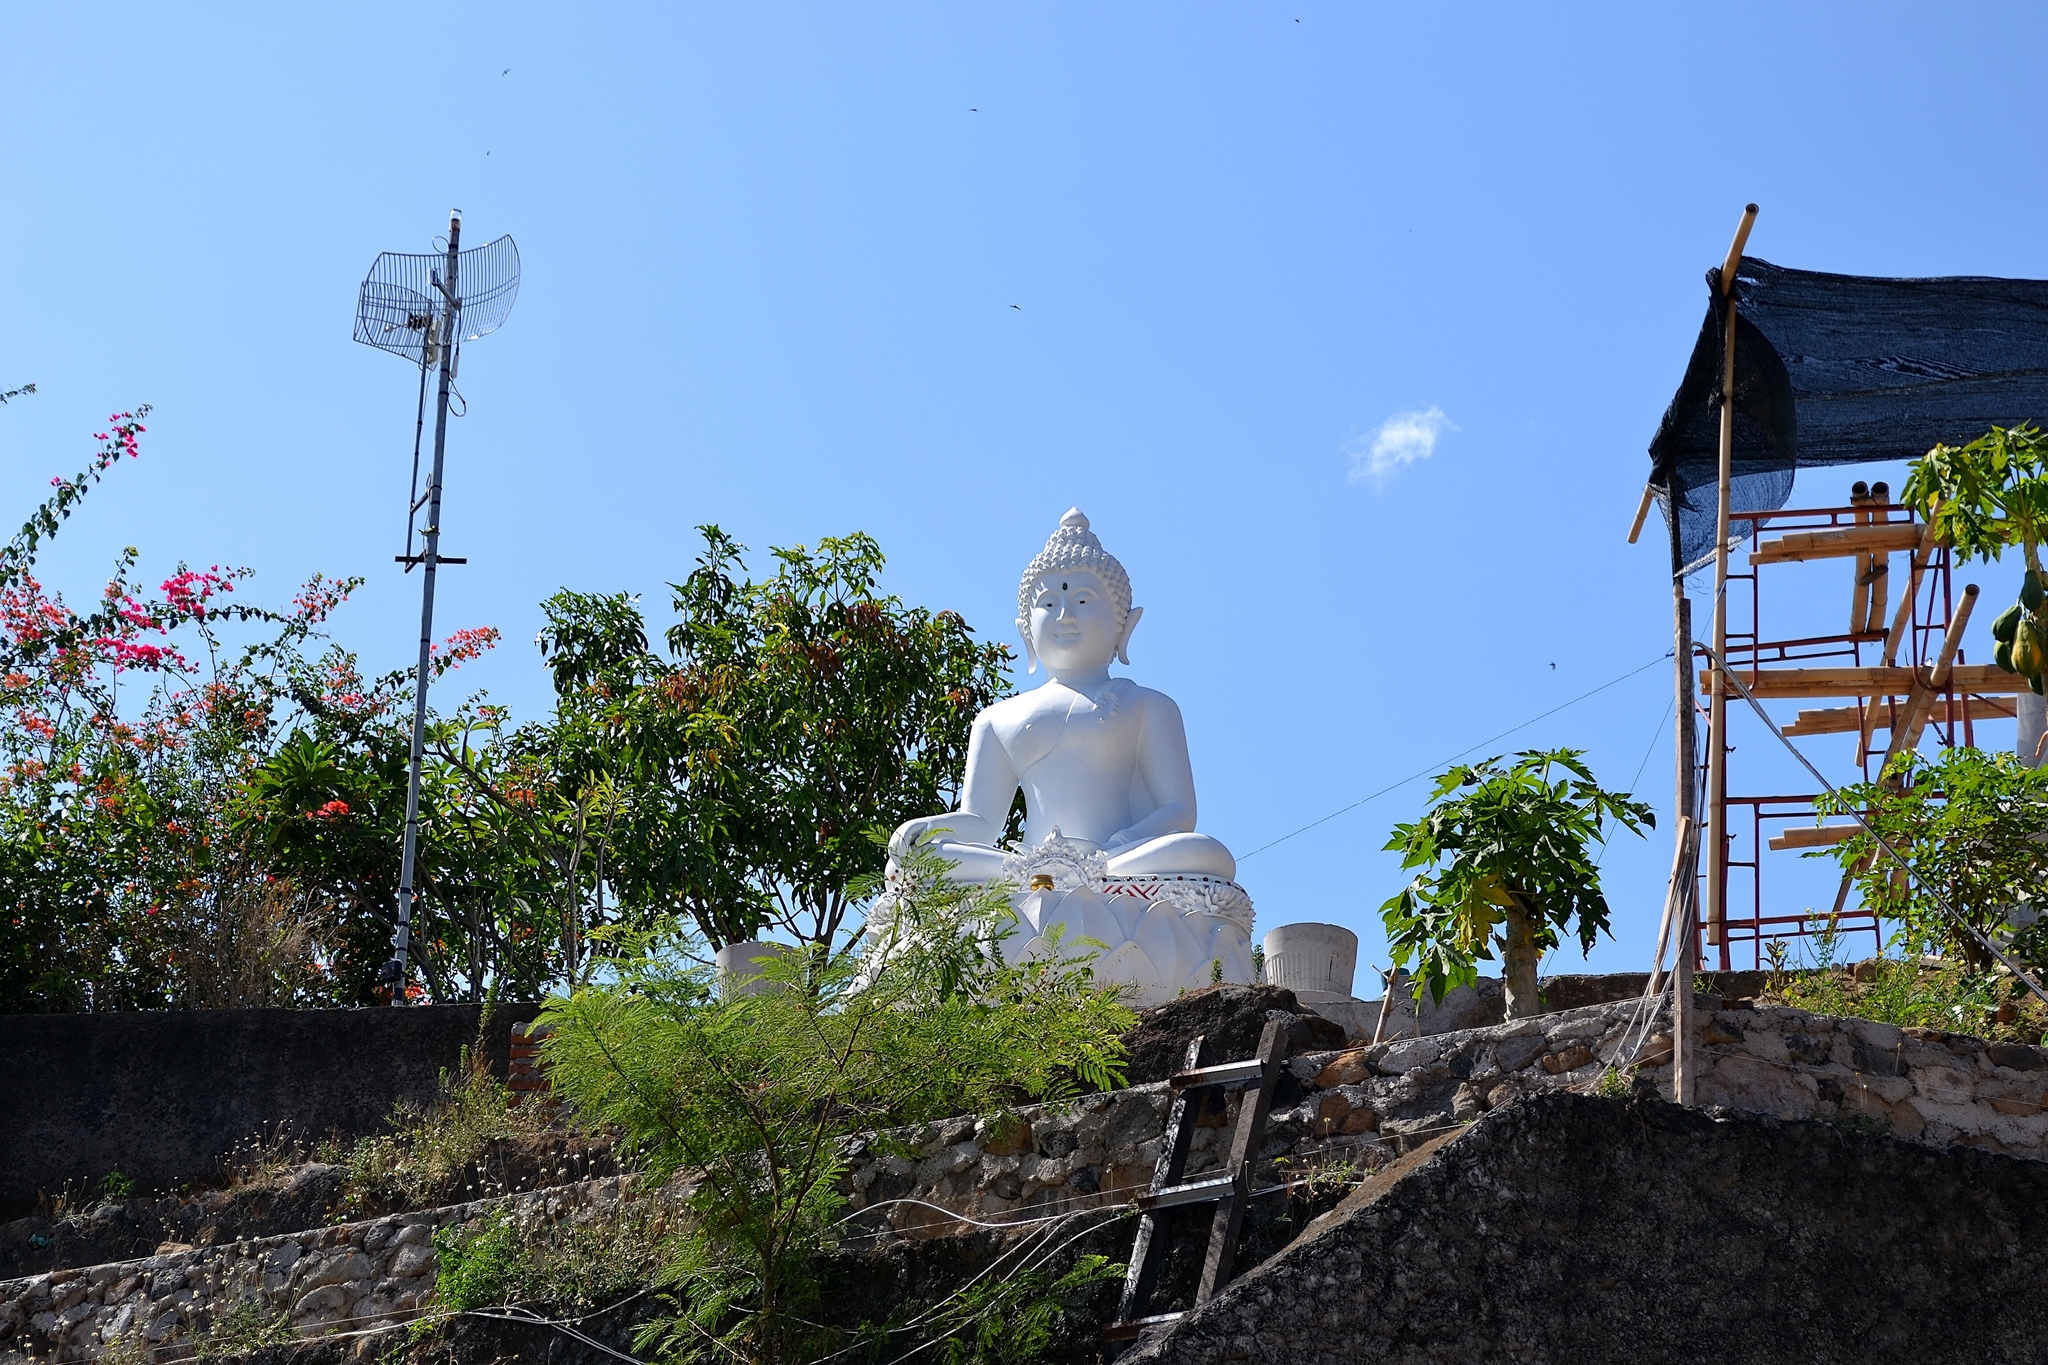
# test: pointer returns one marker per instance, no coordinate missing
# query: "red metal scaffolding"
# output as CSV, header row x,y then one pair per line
x,y
1882,668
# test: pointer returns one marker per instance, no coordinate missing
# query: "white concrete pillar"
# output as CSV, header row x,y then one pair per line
x,y
1312,959
740,966
2033,714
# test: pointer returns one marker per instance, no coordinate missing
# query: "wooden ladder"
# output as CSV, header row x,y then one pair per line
x,y
1229,1191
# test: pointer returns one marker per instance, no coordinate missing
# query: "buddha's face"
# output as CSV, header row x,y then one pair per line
x,y
1073,621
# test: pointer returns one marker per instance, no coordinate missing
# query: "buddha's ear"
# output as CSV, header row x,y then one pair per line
x,y
1030,650
1123,640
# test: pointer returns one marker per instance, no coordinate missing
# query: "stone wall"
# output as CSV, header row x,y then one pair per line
x,y
349,1277
1944,1089
161,1098
1484,1003
1366,1105
1575,1228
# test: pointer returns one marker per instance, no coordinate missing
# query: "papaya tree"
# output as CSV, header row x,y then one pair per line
x,y
1982,498
1507,867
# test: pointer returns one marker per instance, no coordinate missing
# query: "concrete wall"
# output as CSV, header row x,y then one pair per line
x,y
161,1098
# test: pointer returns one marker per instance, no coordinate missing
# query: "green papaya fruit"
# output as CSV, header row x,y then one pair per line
x,y
2030,591
2002,656
2027,654
2008,621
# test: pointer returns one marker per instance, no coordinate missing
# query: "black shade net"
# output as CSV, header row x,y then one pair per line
x,y
1843,369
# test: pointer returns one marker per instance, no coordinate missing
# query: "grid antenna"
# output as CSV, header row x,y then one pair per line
x,y
423,306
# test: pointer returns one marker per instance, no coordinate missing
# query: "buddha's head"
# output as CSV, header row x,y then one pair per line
x,y
1074,604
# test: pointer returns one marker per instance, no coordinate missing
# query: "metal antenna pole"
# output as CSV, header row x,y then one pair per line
x,y
430,554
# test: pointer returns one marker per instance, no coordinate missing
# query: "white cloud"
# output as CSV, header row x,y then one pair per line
x,y
1402,439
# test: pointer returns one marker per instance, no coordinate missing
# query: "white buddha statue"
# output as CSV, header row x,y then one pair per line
x,y
1110,851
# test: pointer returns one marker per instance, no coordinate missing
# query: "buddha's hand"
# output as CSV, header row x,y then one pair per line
x,y
958,824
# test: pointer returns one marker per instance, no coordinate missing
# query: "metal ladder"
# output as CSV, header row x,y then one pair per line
x,y
1229,1191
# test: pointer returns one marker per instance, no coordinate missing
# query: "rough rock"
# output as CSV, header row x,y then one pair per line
x,y
1568,1228
1230,1019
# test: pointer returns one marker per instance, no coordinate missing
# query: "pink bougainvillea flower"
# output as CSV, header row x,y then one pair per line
x,y
463,646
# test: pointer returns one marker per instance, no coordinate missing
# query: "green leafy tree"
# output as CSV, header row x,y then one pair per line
x,y
1969,825
1507,859
757,1095
790,716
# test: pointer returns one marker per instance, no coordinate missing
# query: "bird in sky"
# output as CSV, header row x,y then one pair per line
x,y
508,70
1018,307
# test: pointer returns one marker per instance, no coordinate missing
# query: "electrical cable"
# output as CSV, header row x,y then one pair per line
x,y
1437,767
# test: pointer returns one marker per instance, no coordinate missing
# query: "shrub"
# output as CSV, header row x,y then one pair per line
x,y
420,1161
1968,824
478,1267
247,1325
755,1095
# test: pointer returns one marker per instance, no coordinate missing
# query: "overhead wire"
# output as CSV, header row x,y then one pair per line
x,y
1437,767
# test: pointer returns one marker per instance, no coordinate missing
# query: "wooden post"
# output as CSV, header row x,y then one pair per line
x,y
1392,984
1717,720
1685,954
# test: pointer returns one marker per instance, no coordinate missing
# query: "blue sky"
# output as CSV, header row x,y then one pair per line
x,y
938,273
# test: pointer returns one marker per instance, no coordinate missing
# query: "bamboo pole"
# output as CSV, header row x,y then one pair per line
x,y
1685,961
1880,562
1671,899
1922,557
1642,512
1387,989
1814,836
1851,680
1847,720
1920,702
1717,721
1839,543
1859,597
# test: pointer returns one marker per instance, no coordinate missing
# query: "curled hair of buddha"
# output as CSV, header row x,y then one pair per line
x,y
1074,546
